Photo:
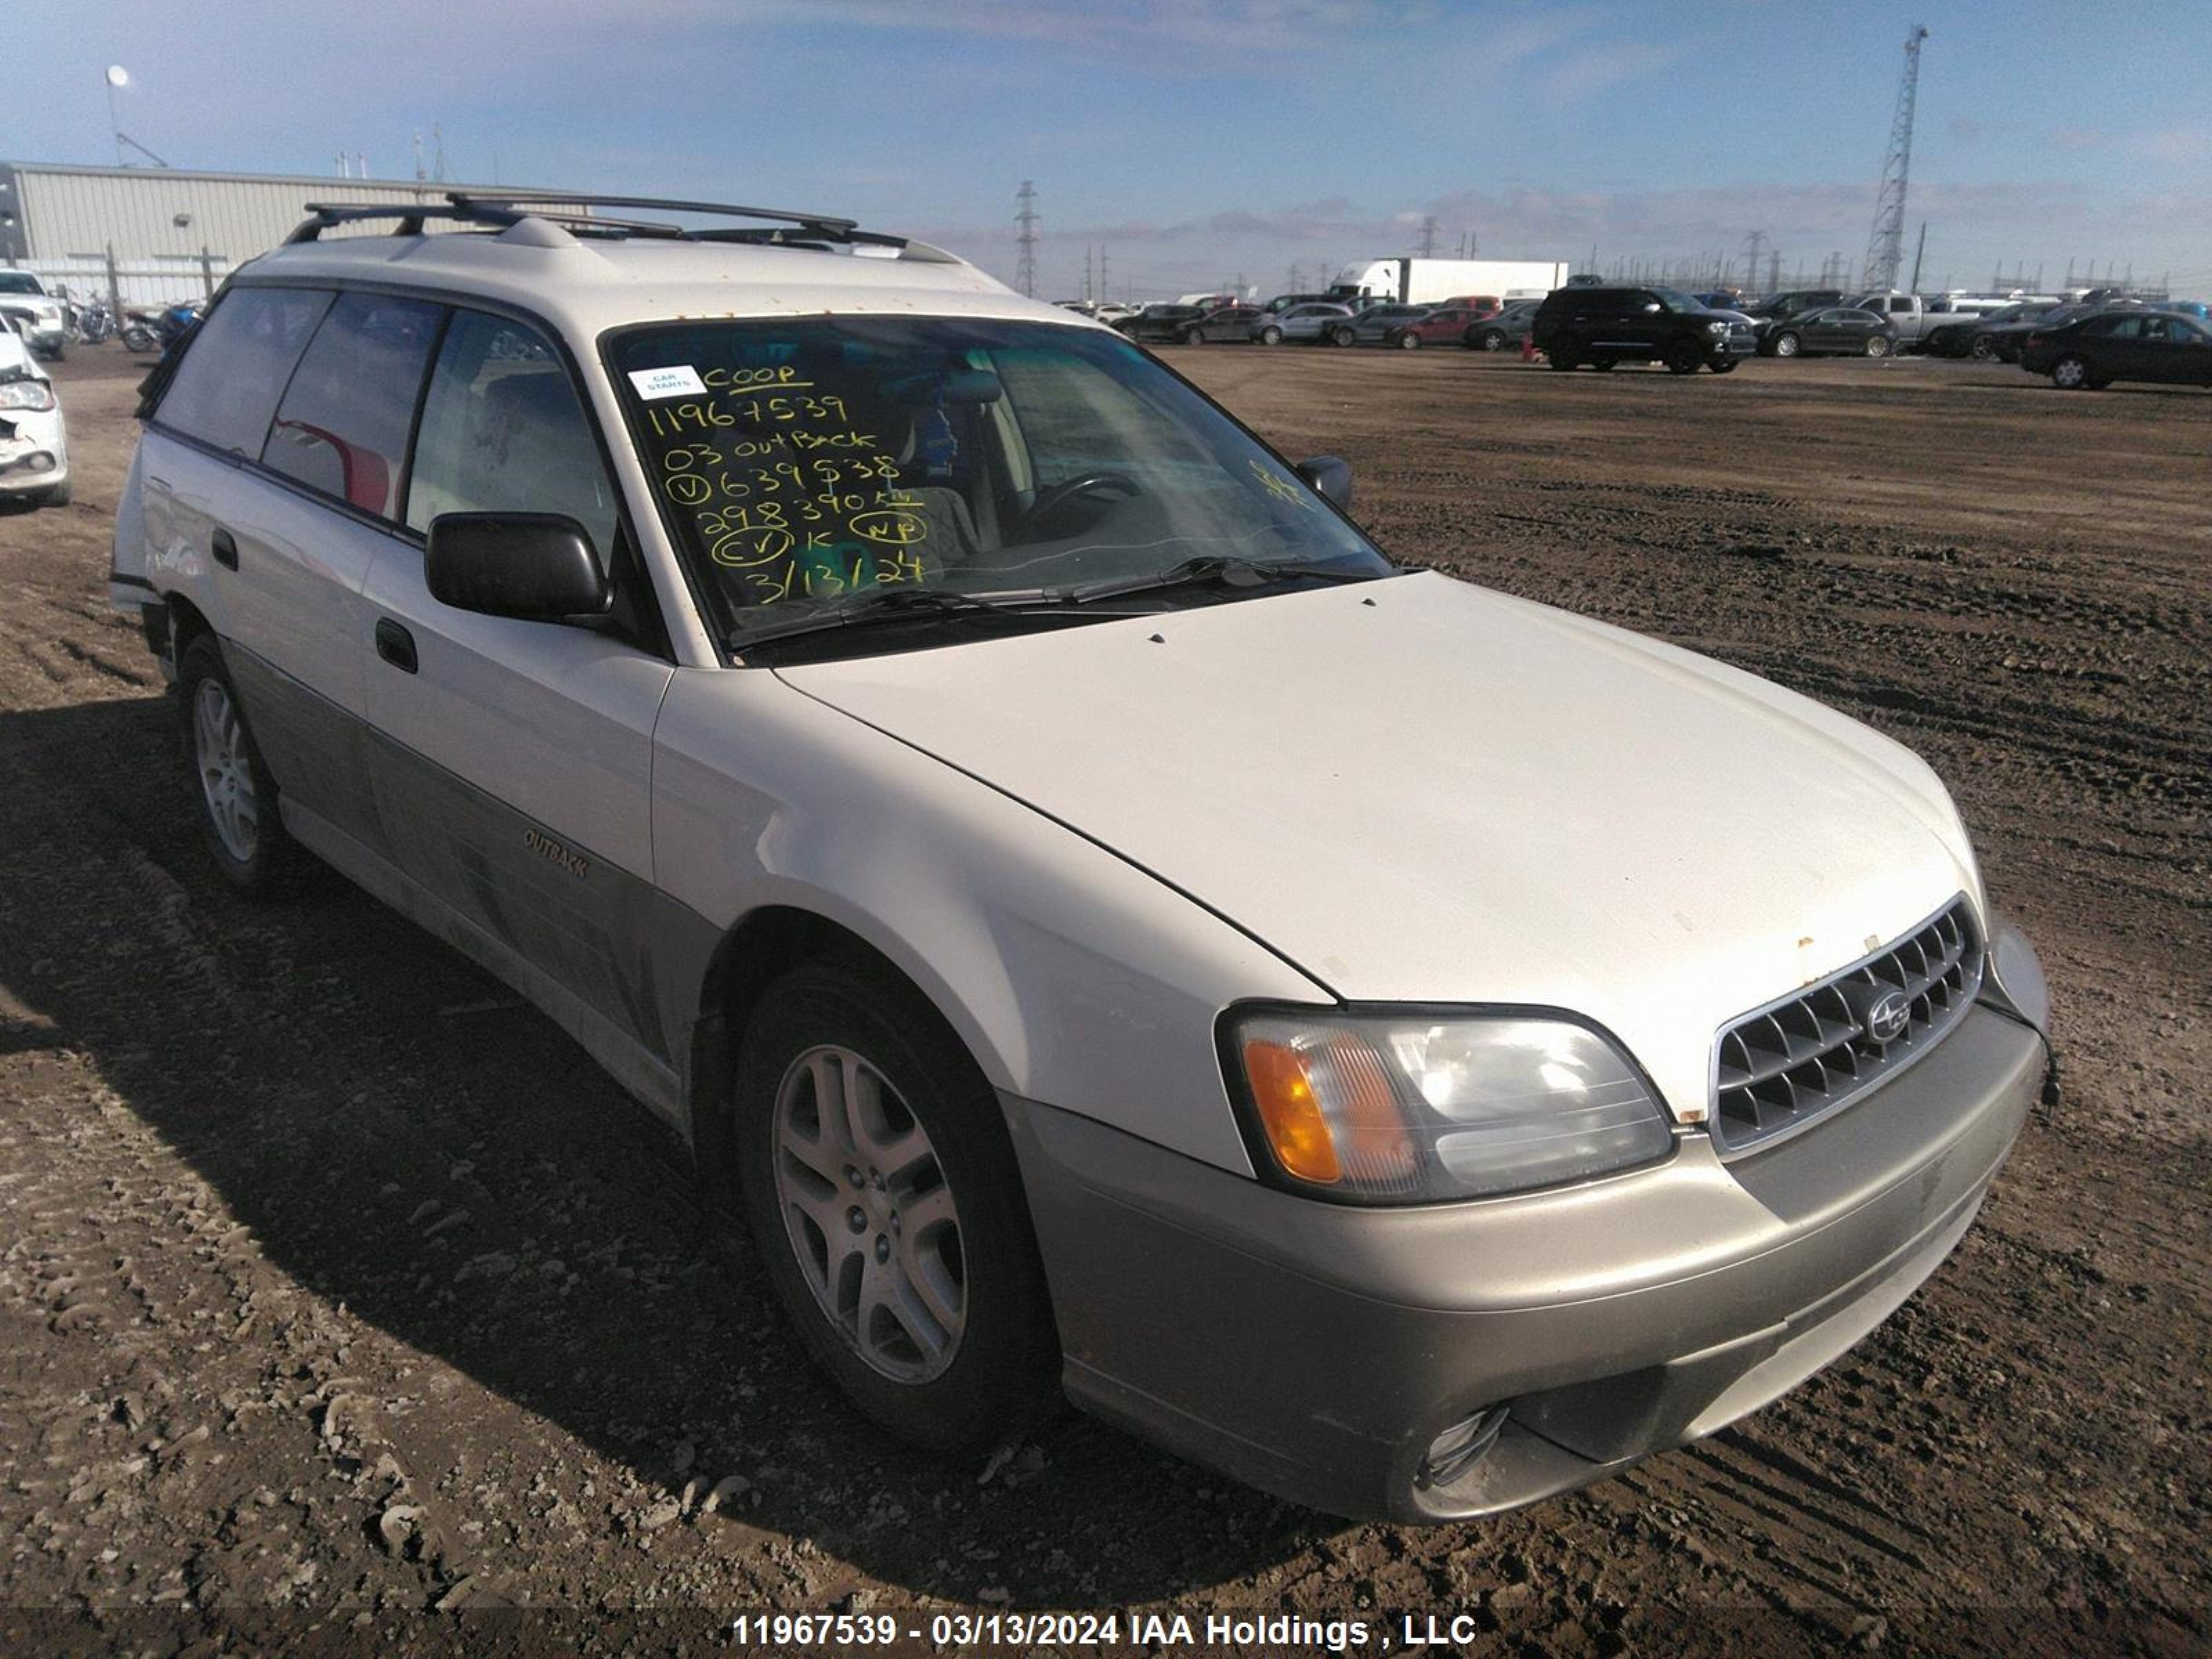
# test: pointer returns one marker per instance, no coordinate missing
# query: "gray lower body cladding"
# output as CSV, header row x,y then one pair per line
x,y
1316,1351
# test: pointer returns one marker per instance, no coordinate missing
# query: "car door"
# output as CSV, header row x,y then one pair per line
x,y
1642,324
255,516
512,759
2166,353
2189,352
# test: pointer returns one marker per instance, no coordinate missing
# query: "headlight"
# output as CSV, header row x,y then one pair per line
x,y
1392,1108
1716,328
26,394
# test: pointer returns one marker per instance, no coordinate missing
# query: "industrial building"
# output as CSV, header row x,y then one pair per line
x,y
151,235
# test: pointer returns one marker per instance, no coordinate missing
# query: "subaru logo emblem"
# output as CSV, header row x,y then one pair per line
x,y
1886,1020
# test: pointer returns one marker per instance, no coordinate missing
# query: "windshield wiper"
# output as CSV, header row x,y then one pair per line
x,y
887,603
1227,570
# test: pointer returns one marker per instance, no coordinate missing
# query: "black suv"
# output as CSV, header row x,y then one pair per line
x,y
1602,326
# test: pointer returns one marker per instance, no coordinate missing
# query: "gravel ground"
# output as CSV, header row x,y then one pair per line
x,y
343,1303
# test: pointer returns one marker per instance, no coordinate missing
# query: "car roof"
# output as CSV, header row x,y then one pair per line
x,y
585,285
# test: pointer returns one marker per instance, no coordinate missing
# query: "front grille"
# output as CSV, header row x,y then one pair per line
x,y
1781,1067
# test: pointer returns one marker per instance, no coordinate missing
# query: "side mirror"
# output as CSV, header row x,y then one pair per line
x,y
1331,477
1652,307
538,567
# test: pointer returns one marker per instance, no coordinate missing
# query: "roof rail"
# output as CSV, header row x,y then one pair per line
x,y
572,211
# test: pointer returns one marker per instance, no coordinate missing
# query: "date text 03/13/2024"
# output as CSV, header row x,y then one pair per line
x,y
1009,1629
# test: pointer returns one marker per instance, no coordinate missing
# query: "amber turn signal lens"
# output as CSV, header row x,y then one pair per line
x,y
1289,1113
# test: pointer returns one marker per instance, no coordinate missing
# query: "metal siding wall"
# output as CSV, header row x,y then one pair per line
x,y
67,214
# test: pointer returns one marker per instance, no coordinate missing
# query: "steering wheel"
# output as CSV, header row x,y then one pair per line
x,y
1050,501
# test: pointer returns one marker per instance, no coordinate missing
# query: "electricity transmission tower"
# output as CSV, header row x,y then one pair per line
x,y
1025,272
1429,237
1886,245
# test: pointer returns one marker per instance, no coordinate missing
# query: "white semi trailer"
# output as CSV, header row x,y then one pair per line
x,y
1411,281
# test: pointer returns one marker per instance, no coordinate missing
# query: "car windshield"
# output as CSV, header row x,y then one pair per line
x,y
800,461
19,282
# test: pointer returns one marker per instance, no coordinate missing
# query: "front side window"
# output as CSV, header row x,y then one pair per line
x,y
341,428
224,392
504,432
801,461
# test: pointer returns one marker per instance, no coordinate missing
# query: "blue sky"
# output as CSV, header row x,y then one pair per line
x,y
1195,141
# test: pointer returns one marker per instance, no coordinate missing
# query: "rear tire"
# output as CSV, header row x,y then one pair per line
x,y
235,798
1409,341
2071,374
1982,351
1271,336
1492,340
1191,336
853,1099
1341,336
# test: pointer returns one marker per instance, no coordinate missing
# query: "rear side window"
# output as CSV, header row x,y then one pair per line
x,y
226,389
503,432
341,428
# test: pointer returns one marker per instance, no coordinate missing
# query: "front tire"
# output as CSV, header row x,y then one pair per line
x,y
1786,345
2070,374
884,1197
1683,358
235,797
1877,345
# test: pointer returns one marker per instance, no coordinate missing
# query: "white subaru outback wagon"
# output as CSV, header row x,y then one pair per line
x,y
1094,917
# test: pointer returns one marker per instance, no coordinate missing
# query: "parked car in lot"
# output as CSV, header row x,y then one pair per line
x,y
1509,326
1225,325
1969,336
1283,302
933,759
34,465
1794,302
36,314
1306,325
1160,323
1445,325
1377,324
1602,326
2000,342
1839,331
2134,345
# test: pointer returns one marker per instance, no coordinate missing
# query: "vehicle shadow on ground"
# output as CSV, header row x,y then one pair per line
x,y
349,1087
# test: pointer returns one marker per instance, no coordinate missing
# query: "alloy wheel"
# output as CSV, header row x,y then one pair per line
x,y
225,773
869,1214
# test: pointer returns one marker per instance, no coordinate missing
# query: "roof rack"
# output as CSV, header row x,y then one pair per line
x,y
571,211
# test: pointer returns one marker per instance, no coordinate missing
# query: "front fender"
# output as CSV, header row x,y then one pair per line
x,y
1073,977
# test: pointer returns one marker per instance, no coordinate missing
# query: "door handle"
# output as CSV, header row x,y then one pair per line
x,y
224,545
395,645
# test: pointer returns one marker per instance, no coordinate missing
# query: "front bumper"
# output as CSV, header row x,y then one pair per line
x,y
1316,1351
34,455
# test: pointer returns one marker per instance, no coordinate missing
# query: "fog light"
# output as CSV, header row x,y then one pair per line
x,y
1461,1446
37,461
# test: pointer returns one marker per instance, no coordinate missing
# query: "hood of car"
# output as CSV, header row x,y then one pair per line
x,y
1421,791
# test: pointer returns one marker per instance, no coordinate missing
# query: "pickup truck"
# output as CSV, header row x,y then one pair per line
x,y
1916,314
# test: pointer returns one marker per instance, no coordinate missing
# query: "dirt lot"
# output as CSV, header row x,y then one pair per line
x,y
335,1286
